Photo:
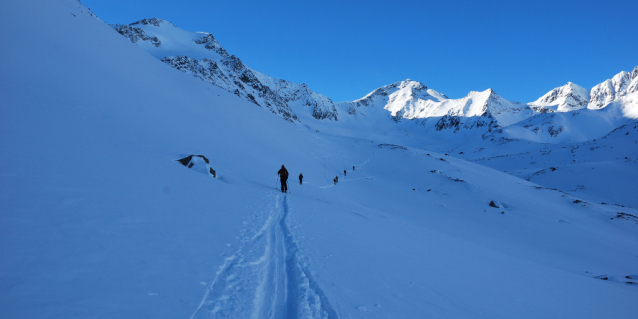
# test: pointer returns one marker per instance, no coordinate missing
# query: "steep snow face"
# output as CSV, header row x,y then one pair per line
x,y
569,97
620,85
200,54
506,112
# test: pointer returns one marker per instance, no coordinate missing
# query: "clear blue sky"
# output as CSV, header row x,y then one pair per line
x,y
346,49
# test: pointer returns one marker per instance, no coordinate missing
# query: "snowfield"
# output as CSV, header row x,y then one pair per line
x,y
98,219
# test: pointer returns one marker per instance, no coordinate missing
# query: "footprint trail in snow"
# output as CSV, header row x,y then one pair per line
x,y
265,278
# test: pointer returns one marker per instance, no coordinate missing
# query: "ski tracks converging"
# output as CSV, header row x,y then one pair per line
x,y
266,278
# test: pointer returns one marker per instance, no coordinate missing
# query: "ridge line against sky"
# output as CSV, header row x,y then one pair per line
x,y
345,50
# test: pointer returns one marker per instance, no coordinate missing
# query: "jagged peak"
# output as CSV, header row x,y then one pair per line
x,y
620,76
415,85
618,86
492,96
568,97
486,94
570,87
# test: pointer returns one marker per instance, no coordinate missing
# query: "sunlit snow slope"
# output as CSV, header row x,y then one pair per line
x,y
99,220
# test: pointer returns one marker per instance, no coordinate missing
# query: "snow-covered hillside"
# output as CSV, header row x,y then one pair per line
x,y
100,220
577,126
201,55
604,170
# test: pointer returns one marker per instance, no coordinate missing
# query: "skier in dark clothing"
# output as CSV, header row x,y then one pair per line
x,y
336,179
300,178
283,178
344,172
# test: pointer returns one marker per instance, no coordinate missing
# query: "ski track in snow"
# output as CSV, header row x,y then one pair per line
x,y
266,278
361,167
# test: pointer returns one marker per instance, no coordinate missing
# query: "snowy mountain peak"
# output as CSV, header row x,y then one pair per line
x,y
569,97
407,89
618,86
413,85
403,99
494,104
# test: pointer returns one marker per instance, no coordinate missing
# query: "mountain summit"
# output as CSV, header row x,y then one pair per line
x,y
620,85
403,99
569,97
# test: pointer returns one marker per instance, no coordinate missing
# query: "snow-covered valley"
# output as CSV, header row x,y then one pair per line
x,y
100,220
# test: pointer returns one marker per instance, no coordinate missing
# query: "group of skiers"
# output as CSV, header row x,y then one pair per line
x,y
283,178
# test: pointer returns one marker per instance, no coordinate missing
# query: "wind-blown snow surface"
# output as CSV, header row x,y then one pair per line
x,y
98,220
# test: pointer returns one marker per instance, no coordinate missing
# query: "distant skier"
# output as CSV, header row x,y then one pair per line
x,y
283,178
336,179
353,167
344,172
300,178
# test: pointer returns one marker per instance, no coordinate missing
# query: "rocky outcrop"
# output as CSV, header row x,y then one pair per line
x,y
198,163
136,34
210,43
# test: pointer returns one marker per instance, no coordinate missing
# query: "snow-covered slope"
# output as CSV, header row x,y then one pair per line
x,y
201,55
603,169
576,126
569,97
99,220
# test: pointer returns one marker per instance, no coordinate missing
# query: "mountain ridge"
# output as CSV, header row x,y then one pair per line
x,y
201,55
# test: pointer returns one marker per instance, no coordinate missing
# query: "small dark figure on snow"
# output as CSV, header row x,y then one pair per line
x,y
344,172
283,178
353,168
336,179
300,178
